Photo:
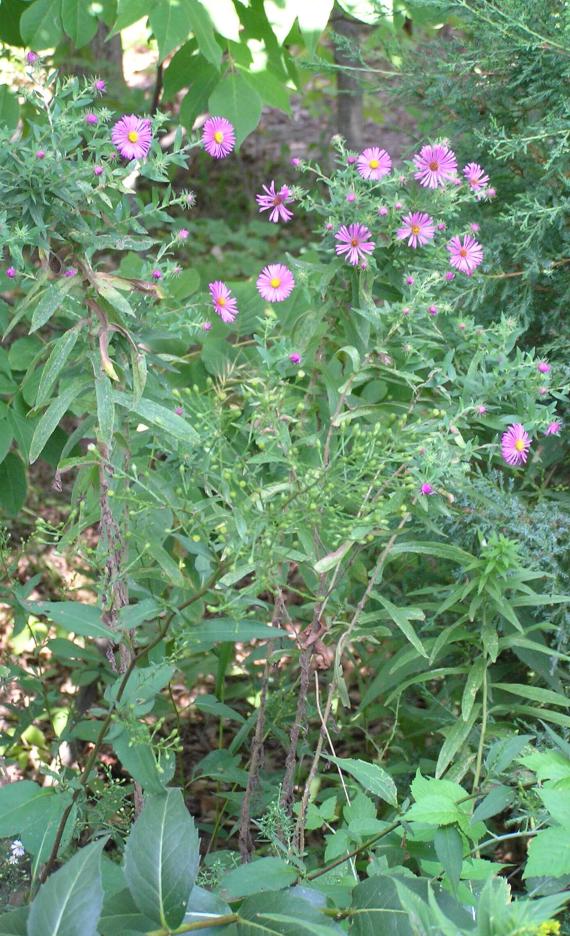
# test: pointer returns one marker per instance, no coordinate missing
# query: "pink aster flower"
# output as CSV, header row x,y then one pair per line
x,y
515,443
223,301
553,428
179,410
354,242
475,175
433,310
98,170
382,211
206,326
295,358
91,119
295,161
275,202
275,282
543,391
475,227
427,489
156,274
417,227
218,137
466,254
132,137
449,276
183,234
100,86
40,154
374,163
351,160
11,272
31,57
70,272
406,310
442,226
490,193
481,410
328,226
398,205
435,165
543,367
410,280
351,197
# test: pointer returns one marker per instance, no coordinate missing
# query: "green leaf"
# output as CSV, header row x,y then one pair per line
x,y
40,25
379,909
263,874
179,73
157,415
499,798
9,108
79,24
236,99
69,903
455,738
105,409
52,417
14,923
144,683
139,761
130,11
472,686
21,803
370,776
439,550
401,618
51,370
13,484
202,28
525,692
115,298
120,916
6,436
224,18
557,801
548,855
81,619
171,23
203,78
226,630
161,859
449,850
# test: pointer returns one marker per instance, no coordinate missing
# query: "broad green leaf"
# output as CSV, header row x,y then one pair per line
x,y
69,903
237,100
546,696
9,108
449,850
557,801
179,73
370,776
81,619
21,804
78,22
224,18
262,874
202,904
157,415
15,922
171,24
283,913
52,418
41,25
202,28
499,798
379,908
51,370
548,854
6,436
13,484
139,761
130,11
548,765
144,683
401,618
120,916
161,859
210,705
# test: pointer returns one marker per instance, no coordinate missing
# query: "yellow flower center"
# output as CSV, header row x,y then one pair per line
x,y
415,229
219,136
354,242
221,301
133,136
434,166
519,445
275,282
373,163
463,252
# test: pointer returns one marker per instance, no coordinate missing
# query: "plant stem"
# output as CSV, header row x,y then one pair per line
x,y
479,762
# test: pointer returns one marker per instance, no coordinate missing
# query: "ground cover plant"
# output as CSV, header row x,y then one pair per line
x,y
306,668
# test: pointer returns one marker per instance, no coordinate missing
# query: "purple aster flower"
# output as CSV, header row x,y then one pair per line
x,y
354,242
100,86
40,154
295,161
382,211
31,57
490,192
435,164
275,282
206,326
515,443
295,358
328,226
179,410
275,202
543,391
351,197
543,367
98,170
553,428
449,276
417,227
156,274
410,280
132,137
442,226
374,163
481,410
406,310
427,489
466,254
224,303
398,205
11,272
218,137
475,227
475,175
351,160
91,119
70,272
364,265
432,310
183,234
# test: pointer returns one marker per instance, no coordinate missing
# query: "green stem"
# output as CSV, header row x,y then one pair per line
x,y
198,925
361,848
479,763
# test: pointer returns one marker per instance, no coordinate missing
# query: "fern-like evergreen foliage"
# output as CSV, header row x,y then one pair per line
x,y
498,81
